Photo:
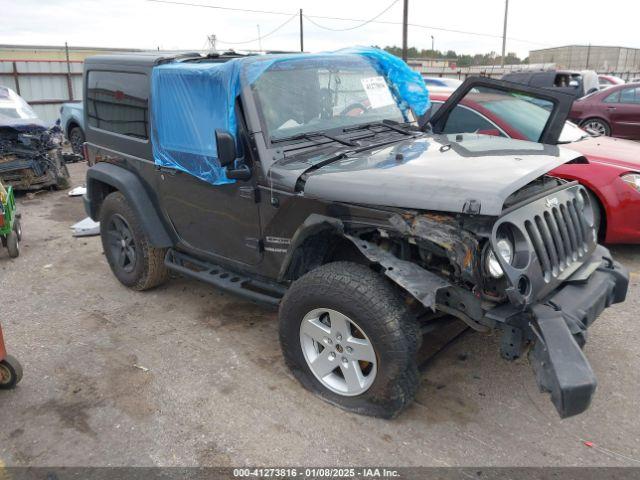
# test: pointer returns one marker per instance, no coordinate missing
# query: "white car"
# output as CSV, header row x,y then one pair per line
x,y
442,84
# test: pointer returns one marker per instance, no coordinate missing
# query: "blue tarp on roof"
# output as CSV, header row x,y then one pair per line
x,y
192,100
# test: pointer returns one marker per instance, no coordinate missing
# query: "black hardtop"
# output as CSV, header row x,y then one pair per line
x,y
150,59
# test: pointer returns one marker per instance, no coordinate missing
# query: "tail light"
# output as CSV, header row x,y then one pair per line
x,y
85,151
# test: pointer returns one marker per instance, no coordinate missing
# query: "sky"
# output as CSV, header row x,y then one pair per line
x,y
151,25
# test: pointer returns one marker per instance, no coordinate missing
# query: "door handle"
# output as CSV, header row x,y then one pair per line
x,y
611,108
167,170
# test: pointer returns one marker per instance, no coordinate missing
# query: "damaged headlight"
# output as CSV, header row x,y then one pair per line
x,y
504,248
632,179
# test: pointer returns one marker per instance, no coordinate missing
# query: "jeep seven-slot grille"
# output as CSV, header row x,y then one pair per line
x,y
559,237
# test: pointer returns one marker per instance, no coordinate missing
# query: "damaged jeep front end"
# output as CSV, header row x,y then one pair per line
x,y
556,284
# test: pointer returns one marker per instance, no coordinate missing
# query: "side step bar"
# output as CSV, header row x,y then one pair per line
x,y
251,289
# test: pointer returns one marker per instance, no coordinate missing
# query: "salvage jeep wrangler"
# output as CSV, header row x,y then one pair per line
x,y
320,184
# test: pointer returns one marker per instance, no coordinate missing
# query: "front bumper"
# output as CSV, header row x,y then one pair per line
x,y
557,328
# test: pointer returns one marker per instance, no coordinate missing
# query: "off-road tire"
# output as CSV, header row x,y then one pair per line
x,y
13,244
12,367
149,270
370,300
76,139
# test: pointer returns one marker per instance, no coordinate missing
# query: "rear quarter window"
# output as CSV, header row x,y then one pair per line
x,y
541,80
118,102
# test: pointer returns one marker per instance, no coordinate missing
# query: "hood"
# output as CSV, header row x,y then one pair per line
x,y
441,173
22,126
613,151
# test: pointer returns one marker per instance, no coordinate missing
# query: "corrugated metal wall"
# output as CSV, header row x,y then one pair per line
x,y
45,84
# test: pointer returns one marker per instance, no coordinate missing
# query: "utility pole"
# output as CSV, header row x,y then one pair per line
x,y
211,39
504,32
405,21
433,44
301,33
259,39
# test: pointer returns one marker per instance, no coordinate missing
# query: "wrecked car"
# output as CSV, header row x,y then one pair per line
x,y
319,184
31,154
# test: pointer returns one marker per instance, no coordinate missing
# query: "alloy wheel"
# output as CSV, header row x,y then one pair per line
x,y
338,352
597,127
121,243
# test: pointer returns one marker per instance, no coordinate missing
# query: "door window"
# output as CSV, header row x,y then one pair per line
x,y
526,114
541,80
464,120
613,98
630,95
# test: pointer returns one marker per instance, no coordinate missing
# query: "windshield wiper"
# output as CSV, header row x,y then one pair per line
x,y
390,124
309,136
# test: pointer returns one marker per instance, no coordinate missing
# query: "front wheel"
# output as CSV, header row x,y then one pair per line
x,y
76,139
132,259
348,336
10,373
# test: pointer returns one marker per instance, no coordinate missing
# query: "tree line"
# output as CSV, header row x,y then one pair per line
x,y
462,60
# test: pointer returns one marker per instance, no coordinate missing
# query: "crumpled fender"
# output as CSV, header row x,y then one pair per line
x,y
420,283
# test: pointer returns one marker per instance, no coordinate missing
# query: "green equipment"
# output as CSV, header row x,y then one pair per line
x,y
10,229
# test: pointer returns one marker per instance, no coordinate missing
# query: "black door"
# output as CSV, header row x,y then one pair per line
x,y
219,220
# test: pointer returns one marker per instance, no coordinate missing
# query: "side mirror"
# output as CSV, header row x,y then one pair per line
x,y
574,83
226,148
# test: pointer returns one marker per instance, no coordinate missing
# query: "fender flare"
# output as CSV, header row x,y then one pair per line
x,y
313,225
134,191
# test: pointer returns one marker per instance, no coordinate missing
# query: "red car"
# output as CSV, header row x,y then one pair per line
x,y
610,170
614,111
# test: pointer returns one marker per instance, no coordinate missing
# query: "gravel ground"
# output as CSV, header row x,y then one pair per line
x,y
185,375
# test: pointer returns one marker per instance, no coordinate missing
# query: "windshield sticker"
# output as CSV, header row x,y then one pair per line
x,y
377,92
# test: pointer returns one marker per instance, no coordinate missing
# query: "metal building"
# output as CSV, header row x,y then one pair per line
x,y
590,57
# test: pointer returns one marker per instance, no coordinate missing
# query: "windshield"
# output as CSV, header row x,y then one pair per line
x,y
303,96
13,107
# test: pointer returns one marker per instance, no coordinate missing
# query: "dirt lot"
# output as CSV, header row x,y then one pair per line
x,y
186,375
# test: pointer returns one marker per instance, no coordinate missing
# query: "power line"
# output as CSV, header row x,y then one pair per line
x,y
187,4
365,22
262,37
344,19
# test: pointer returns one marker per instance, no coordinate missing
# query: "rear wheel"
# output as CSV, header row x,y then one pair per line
x,y
132,259
598,126
348,336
